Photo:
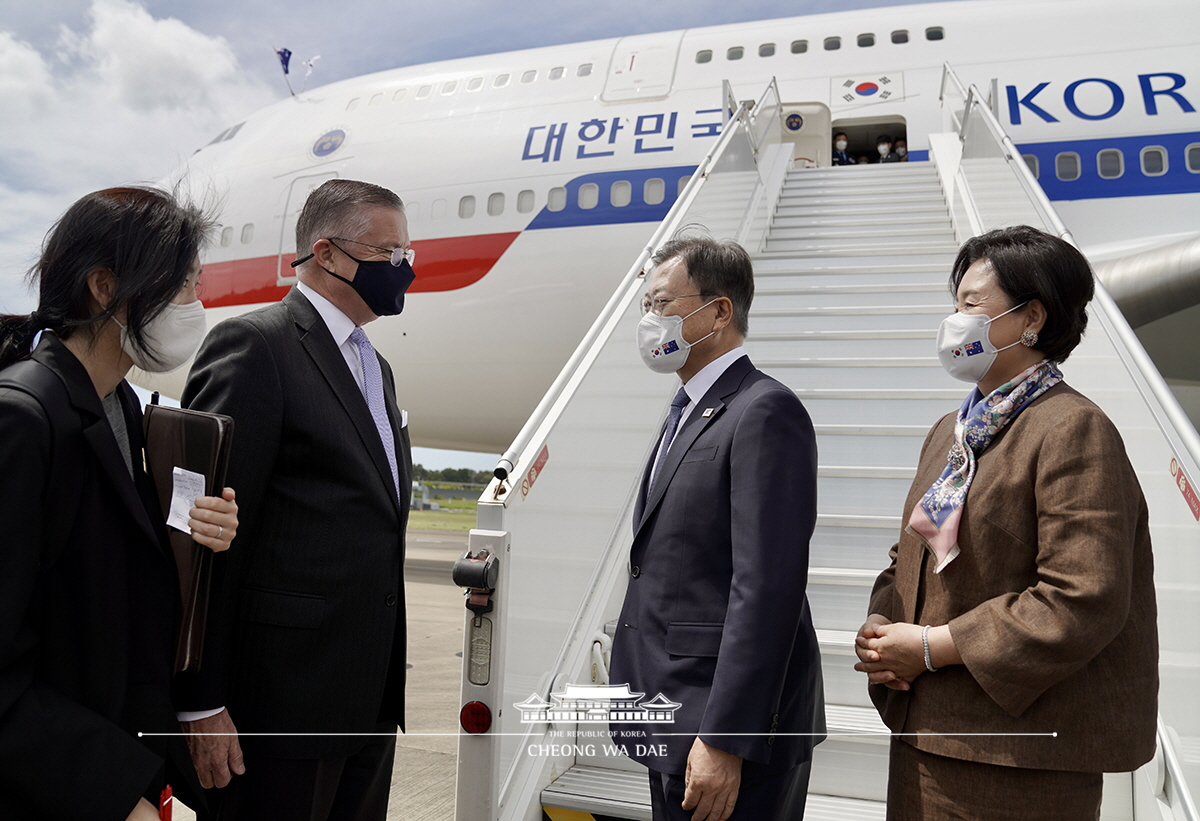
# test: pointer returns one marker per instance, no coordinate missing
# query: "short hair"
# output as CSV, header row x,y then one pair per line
x,y
337,208
1031,264
837,134
716,269
883,138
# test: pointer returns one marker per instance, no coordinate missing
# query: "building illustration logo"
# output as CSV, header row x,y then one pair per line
x,y
609,703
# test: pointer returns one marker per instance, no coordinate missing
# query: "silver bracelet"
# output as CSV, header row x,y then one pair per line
x,y
925,646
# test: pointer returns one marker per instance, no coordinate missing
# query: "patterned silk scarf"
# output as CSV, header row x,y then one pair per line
x,y
936,516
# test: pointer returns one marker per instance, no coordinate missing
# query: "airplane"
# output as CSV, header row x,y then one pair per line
x,y
532,179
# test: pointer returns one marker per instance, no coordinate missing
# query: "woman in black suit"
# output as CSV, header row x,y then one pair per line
x,y
88,590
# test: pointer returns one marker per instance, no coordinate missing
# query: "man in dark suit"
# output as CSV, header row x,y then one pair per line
x,y
715,616
840,155
307,636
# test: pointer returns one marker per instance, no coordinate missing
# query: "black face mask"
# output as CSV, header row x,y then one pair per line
x,y
380,284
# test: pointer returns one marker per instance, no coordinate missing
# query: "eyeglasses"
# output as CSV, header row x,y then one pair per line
x,y
395,255
656,304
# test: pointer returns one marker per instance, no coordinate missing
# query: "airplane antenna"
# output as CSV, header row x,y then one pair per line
x,y
285,55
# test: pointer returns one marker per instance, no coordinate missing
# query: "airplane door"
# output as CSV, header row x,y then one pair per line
x,y
298,192
642,68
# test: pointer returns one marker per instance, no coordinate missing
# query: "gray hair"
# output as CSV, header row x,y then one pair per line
x,y
338,208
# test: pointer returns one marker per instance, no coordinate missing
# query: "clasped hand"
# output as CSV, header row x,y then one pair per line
x,y
889,653
214,520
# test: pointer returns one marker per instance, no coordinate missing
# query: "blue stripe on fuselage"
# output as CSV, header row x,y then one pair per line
x,y
605,213
1133,182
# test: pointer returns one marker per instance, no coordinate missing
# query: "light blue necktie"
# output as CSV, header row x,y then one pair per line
x,y
677,405
373,390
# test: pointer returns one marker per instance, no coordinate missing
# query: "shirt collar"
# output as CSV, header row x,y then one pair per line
x,y
699,384
340,326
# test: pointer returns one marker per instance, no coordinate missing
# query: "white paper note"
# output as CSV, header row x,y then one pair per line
x,y
186,486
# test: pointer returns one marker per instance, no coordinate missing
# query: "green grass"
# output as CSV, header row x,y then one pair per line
x,y
456,515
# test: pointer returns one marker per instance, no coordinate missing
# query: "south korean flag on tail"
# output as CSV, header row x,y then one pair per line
x,y
865,89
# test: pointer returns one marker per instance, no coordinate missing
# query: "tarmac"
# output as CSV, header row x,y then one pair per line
x,y
423,777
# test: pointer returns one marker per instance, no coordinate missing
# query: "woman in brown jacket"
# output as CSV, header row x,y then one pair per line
x,y
1011,645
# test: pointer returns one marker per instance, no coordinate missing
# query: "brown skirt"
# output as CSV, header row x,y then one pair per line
x,y
927,787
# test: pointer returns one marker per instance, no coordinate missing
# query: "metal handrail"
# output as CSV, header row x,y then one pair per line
x,y
512,456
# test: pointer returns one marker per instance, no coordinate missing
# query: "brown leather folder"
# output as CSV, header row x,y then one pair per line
x,y
199,442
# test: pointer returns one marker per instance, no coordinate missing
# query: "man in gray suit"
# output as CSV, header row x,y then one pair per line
x,y
715,616
306,638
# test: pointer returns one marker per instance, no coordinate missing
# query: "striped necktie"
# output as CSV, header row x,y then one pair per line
x,y
373,391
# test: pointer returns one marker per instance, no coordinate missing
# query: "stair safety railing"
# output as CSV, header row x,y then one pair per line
x,y
557,512
991,186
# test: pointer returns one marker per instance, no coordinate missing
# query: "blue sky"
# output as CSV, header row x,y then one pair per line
x,y
103,92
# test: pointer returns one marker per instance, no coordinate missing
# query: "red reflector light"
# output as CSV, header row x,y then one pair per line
x,y
475,717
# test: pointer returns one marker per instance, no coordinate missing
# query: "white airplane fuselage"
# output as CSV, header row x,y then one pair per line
x,y
533,178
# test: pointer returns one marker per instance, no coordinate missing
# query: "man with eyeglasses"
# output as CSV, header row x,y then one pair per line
x,y
715,617
293,712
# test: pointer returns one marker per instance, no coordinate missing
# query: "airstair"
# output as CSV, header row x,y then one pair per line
x,y
851,281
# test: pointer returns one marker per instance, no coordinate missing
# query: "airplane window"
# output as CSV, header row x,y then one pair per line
x,y
525,202
1110,163
1193,158
556,200
229,135
766,50
833,43
247,233
219,137
376,99
475,84
585,70
589,196
529,76
496,204
1031,160
353,104
439,209
557,72
449,87
866,40
424,91
1066,166
621,193
799,46
683,181
399,95
227,236
735,53
900,36
703,56
1154,161
466,207
935,33
501,81
653,191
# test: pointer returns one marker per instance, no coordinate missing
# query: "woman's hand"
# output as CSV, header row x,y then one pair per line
x,y
214,520
890,654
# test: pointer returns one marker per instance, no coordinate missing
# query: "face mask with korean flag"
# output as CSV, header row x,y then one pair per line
x,y
965,347
661,343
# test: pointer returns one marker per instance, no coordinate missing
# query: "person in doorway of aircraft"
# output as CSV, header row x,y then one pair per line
x,y
883,144
306,644
1013,638
88,584
715,615
901,149
841,156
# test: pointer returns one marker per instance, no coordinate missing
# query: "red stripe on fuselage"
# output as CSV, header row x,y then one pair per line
x,y
442,265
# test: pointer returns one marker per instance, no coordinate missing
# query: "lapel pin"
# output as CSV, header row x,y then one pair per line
x,y
708,412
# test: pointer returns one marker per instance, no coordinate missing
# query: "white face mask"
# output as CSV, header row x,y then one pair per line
x,y
884,148
965,347
841,145
902,151
661,343
172,337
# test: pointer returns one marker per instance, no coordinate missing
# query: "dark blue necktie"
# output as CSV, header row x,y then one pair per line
x,y
373,391
664,443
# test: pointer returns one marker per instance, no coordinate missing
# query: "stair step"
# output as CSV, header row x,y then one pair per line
x,y
840,808
935,231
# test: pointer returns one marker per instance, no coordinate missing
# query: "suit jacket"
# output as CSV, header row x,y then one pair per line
x,y
308,629
1050,603
715,616
88,597
842,158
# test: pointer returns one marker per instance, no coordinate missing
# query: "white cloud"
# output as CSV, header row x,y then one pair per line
x,y
126,99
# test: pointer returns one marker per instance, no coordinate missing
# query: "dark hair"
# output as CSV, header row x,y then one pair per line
x,y
837,134
883,138
716,269
146,237
1031,264
336,209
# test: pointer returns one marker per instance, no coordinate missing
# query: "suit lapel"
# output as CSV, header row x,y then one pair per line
x,y
319,344
697,422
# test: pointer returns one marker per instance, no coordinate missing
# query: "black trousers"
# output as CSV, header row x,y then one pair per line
x,y
773,797
301,789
